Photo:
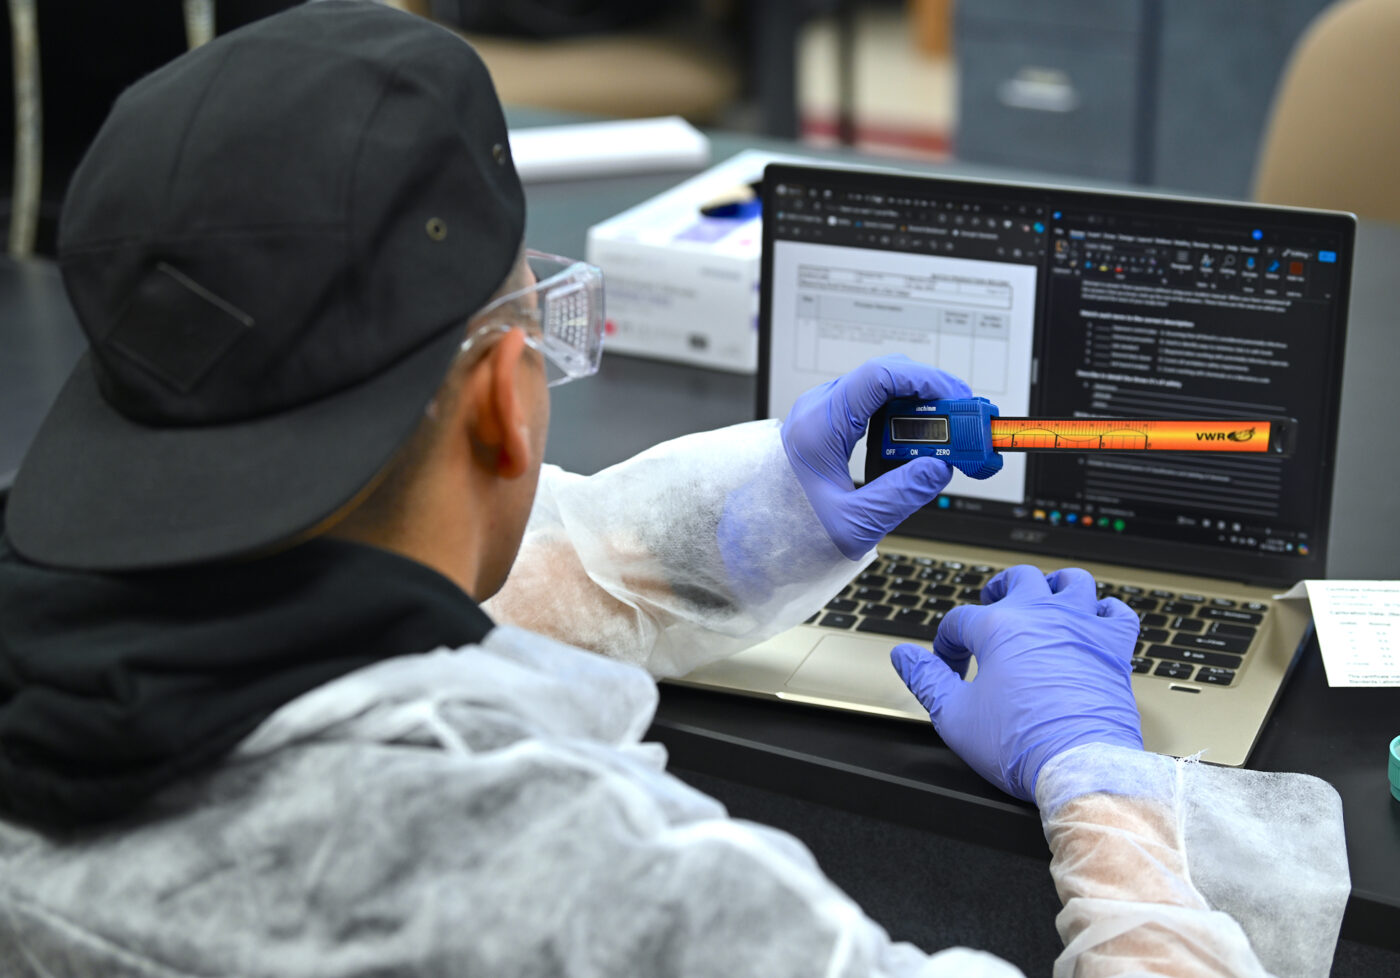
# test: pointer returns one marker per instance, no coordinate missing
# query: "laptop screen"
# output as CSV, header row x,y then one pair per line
x,y
1079,304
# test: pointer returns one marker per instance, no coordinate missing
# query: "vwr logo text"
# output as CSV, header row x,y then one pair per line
x,y
1244,434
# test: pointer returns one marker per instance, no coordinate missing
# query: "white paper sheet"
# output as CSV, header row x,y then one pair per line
x,y
1358,629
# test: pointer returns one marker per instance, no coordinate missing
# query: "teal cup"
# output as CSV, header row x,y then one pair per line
x,y
1395,769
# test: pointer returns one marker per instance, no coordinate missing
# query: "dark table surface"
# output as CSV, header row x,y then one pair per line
x,y
897,771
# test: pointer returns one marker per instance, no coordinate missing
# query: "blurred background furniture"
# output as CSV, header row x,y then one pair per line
x,y
614,58
1168,93
1171,93
878,76
1333,137
607,58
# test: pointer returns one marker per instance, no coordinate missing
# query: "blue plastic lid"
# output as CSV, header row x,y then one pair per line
x,y
1395,769
741,203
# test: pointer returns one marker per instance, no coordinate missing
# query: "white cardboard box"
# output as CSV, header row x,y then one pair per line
x,y
680,285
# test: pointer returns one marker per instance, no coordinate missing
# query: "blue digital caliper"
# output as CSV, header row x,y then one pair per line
x,y
957,430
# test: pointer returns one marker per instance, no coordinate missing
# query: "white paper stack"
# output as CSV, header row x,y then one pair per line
x,y
594,149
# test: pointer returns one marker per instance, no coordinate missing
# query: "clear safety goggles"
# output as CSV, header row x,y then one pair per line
x,y
563,313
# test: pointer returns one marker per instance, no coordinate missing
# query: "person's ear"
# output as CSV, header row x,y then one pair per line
x,y
498,425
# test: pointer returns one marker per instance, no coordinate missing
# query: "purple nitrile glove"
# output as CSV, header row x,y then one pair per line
x,y
1053,669
823,428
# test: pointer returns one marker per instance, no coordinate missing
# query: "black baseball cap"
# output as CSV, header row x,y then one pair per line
x,y
273,245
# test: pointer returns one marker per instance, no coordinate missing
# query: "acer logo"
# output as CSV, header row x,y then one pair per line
x,y
1027,536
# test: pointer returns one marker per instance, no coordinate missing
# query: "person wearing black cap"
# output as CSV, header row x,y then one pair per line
x,y
254,718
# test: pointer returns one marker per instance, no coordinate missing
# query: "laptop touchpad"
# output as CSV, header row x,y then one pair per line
x,y
854,670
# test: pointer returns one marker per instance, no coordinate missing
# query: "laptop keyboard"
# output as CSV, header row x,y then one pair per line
x,y
1184,637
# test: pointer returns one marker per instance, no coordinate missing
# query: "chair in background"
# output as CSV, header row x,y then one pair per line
x,y
1333,138
28,122
63,64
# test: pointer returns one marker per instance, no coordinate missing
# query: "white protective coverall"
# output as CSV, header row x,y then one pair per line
x,y
491,810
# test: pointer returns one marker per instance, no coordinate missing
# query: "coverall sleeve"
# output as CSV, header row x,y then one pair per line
x,y
1185,869
1182,871
681,555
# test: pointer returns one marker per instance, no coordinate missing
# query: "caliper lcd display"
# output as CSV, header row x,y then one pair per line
x,y
929,430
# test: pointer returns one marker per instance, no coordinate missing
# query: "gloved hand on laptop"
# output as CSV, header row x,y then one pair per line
x,y
823,428
1053,668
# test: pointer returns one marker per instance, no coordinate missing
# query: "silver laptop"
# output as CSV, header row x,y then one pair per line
x,y
1072,304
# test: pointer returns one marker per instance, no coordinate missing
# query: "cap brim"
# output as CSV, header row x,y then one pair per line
x,y
100,492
